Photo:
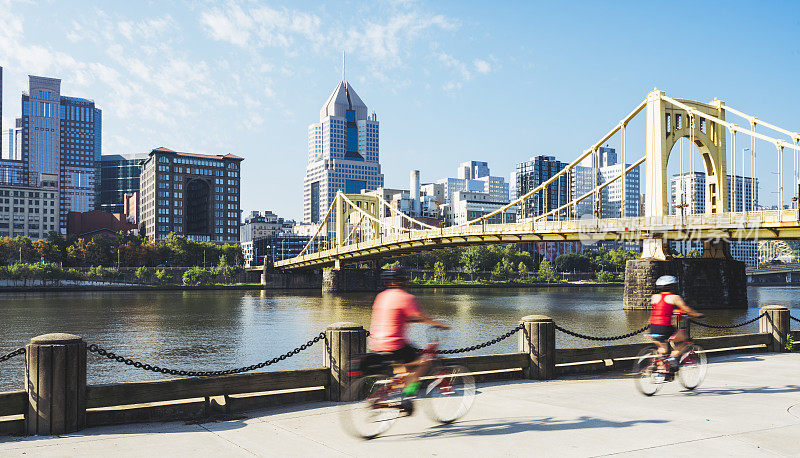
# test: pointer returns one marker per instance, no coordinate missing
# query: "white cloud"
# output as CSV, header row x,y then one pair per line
x,y
460,67
482,66
382,42
147,29
259,26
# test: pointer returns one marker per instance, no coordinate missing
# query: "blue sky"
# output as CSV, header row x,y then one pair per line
x,y
450,80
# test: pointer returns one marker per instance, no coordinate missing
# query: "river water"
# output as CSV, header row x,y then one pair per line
x,y
210,330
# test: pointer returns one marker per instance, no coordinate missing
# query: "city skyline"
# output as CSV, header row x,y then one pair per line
x,y
469,82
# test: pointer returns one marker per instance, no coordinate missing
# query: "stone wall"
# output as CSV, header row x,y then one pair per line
x,y
705,283
311,279
350,280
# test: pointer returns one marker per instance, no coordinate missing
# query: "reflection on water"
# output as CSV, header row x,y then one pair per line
x,y
222,329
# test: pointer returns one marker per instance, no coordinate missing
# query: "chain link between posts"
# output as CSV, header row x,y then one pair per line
x,y
17,352
716,326
482,345
163,370
139,365
587,337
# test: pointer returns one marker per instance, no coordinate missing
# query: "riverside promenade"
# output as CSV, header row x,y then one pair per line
x,y
749,405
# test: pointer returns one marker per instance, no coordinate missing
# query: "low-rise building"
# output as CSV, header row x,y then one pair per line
x,y
275,247
30,211
97,222
260,225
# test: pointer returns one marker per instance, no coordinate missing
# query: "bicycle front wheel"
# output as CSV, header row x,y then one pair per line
x,y
648,378
693,367
372,406
449,393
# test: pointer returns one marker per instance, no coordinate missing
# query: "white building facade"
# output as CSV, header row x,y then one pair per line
x,y
474,176
469,205
343,153
688,192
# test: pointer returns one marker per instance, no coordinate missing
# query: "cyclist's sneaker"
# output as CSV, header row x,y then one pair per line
x,y
407,406
411,389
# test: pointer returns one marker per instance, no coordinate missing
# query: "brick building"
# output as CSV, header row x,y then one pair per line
x,y
196,195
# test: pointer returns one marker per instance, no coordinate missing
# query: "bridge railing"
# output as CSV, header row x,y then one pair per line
x,y
58,400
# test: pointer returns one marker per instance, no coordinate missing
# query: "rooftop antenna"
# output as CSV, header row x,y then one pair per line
x,y
343,63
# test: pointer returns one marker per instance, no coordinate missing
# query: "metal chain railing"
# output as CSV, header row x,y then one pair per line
x,y
17,352
716,326
587,337
482,345
139,365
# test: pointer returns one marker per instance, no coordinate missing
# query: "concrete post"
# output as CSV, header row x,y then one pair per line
x,y
342,341
541,348
776,323
55,378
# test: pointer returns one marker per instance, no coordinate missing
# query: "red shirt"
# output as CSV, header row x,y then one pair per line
x,y
390,314
661,310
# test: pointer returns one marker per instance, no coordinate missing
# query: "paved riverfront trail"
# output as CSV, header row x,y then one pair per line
x,y
748,406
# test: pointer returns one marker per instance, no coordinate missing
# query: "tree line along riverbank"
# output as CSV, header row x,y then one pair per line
x,y
507,264
121,250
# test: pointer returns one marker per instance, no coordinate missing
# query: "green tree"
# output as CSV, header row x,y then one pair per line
x,y
163,277
503,270
439,271
472,259
16,272
573,262
233,273
546,273
144,275
605,276
522,270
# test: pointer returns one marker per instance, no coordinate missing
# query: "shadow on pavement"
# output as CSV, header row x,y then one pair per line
x,y
749,390
492,427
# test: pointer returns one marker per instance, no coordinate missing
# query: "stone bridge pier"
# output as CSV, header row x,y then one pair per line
x,y
345,280
711,281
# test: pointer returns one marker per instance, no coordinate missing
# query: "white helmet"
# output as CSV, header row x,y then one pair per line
x,y
665,281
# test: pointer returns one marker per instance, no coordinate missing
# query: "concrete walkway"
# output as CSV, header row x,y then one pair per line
x,y
749,405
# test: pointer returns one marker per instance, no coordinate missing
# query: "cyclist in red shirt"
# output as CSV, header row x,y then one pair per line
x,y
393,309
664,305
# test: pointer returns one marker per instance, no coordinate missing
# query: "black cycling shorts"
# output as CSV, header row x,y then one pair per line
x,y
661,332
404,354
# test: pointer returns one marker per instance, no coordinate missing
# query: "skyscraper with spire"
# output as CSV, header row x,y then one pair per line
x,y
343,152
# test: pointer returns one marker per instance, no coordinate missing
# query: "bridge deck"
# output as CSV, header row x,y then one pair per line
x,y
749,405
758,225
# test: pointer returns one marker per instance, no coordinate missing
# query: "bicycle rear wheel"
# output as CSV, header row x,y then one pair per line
x,y
449,393
372,406
648,379
693,367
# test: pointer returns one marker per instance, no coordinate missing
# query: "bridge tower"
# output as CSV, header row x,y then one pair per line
x,y
716,279
667,123
351,225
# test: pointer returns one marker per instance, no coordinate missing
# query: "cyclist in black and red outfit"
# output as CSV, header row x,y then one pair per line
x,y
666,309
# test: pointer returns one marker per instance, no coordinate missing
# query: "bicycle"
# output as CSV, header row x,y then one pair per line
x,y
653,369
375,399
